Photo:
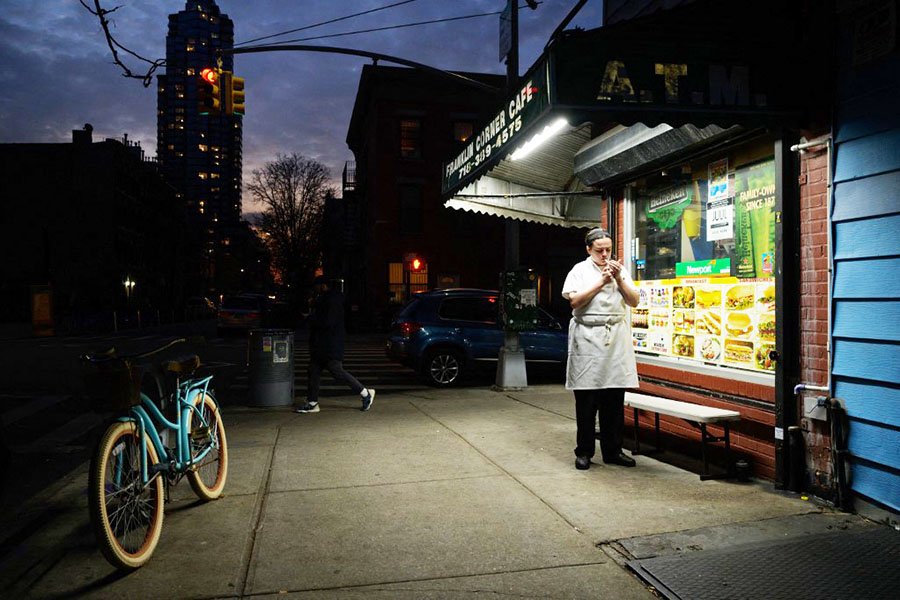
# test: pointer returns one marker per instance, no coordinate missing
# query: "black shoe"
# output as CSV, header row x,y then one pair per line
x,y
620,459
582,463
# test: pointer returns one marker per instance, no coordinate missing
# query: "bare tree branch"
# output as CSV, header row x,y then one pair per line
x,y
293,189
100,12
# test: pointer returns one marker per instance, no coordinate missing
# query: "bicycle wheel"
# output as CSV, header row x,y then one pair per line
x,y
127,517
207,477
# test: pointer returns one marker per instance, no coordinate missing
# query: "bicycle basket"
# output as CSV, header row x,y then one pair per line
x,y
114,384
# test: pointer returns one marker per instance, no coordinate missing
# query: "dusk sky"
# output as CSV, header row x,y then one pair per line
x,y
58,72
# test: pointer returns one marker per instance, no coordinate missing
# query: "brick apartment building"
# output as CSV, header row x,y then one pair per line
x,y
404,122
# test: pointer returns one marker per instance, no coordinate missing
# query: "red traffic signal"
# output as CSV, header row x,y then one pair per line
x,y
209,75
209,94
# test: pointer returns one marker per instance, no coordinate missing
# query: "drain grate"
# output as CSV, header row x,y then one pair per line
x,y
843,566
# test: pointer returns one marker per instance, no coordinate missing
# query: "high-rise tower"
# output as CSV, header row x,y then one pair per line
x,y
200,155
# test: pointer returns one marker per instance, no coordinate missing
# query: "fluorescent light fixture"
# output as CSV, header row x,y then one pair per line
x,y
548,132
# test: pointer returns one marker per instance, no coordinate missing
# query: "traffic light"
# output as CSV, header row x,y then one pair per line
x,y
234,103
209,92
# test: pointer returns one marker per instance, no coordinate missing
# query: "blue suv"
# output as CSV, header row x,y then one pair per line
x,y
442,334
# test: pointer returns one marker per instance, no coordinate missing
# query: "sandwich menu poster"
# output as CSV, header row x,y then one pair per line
x,y
723,321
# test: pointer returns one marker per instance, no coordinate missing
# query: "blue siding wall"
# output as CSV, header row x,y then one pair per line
x,y
866,286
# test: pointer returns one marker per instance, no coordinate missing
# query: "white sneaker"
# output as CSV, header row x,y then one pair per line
x,y
368,400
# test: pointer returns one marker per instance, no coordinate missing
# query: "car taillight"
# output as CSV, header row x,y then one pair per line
x,y
224,313
407,328
253,315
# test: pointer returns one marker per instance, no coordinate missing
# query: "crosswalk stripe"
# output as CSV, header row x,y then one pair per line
x,y
58,439
31,407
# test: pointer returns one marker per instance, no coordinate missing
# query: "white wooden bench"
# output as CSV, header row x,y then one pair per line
x,y
696,415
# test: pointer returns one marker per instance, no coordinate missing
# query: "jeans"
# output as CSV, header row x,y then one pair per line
x,y
337,371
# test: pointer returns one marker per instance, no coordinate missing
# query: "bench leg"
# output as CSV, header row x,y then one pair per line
x,y
657,432
703,436
637,443
706,436
728,464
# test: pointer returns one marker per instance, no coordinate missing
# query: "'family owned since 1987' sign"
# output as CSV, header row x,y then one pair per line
x,y
517,113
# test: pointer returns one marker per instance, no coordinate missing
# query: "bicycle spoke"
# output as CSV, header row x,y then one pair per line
x,y
129,505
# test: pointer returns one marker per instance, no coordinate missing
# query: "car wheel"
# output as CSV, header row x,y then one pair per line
x,y
443,367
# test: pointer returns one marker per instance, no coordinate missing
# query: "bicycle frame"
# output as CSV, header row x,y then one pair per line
x,y
148,417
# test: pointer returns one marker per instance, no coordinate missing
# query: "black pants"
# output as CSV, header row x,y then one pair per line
x,y
337,371
610,403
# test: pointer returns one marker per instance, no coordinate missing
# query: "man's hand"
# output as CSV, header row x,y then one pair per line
x,y
607,276
614,268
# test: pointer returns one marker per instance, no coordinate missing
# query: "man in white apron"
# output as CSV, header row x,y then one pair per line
x,y
601,355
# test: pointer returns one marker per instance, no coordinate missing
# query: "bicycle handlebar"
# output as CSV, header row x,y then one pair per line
x,y
110,354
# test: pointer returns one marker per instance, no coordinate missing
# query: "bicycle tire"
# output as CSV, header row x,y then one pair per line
x,y
208,478
128,531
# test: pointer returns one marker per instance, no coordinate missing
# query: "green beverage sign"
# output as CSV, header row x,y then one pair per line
x,y
665,206
754,232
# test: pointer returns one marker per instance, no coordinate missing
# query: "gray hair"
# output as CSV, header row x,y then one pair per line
x,y
597,233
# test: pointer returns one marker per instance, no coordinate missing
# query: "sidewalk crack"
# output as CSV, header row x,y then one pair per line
x,y
258,511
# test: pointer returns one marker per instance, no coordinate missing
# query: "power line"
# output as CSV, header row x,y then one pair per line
x,y
401,26
365,12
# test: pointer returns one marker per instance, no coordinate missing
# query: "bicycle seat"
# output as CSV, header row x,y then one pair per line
x,y
182,364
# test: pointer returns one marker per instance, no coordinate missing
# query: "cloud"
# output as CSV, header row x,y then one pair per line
x,y
58,70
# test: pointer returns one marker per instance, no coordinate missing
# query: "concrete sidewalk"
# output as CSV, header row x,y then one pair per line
x,y
444,493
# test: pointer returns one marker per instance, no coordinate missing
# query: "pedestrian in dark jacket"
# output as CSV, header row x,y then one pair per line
x,y
326,345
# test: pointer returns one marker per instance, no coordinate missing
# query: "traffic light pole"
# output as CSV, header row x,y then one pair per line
x,y
511,372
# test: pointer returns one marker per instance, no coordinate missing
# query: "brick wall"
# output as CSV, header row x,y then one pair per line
x,y
814,277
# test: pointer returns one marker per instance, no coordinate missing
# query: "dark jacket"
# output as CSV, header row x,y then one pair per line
x,y
326,326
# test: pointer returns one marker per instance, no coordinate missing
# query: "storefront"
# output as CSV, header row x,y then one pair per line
x,y
681,123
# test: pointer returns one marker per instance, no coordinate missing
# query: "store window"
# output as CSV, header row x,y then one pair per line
x,y
410,138
703,257
403,281
462,130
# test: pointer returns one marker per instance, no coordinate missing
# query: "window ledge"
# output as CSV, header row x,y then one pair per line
x,y
765,379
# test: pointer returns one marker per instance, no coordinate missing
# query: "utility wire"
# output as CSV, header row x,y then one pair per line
x,y
265,37
401,26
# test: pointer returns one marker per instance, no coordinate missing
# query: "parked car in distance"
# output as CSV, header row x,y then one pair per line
x,y
444,333
238,313
198,308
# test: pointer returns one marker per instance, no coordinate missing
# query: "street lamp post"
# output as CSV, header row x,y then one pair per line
x,y
129,288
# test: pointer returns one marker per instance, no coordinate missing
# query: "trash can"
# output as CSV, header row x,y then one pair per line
x,y
270,362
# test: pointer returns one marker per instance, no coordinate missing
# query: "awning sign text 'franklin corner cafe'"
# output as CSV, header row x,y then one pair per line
x,y
519,111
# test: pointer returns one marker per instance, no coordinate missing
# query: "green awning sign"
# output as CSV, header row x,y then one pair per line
x,y
703,268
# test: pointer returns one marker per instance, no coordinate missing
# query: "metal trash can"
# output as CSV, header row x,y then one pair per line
x,y
270,362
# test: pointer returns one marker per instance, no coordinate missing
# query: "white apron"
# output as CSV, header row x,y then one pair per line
x,y
601,353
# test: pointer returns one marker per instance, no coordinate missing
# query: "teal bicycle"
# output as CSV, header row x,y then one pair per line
x,y
134,463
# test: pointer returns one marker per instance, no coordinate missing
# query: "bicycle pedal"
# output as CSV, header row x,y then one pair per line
x,y
200,433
